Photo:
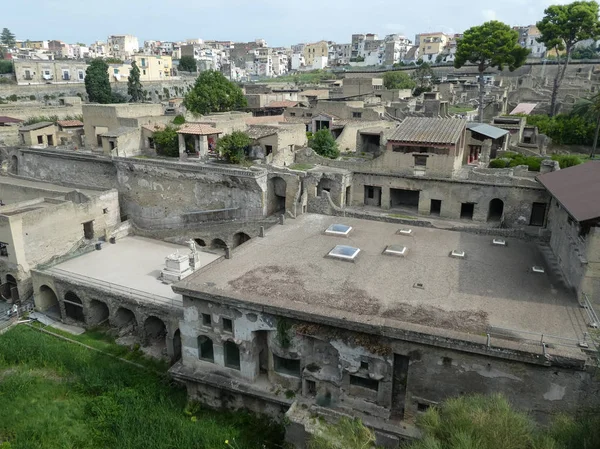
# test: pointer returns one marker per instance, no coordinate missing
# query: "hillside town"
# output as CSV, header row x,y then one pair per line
x,y
389,242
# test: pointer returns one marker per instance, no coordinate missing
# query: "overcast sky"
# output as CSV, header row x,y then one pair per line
x,y
280,22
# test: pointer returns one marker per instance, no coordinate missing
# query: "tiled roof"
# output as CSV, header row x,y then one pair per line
x,y
198,129
69,123
429,130
258,132
5,119
282,104
265,119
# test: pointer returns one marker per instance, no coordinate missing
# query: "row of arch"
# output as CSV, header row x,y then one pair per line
x,y
153,331
231,352
238,239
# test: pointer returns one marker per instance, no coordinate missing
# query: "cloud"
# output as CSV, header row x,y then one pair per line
x,y
489,14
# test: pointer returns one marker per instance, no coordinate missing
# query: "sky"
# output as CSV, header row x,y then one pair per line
x,y
279,22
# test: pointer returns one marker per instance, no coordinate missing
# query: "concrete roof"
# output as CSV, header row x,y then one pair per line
x,y
198,129
282,104
577,189
35,126
429,130
121,131
492,286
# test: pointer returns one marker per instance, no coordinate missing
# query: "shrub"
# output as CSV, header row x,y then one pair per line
x,y
12,97
167,142
233,146
564,129
32,97
498,163
324,144
567,160
179,120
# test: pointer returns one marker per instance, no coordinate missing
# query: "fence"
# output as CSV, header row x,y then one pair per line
x,y
590,312
545,341
116,289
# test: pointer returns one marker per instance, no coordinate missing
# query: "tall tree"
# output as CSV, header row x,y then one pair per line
x,y
97,83
134,86
493,44
7,39
424,76
187,64
212,92
562,27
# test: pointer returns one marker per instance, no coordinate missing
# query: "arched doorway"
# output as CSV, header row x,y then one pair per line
x,y
98,312
240,238
200,242
14,165
218,244
205,349
74,307
276,195
155,332
47,302
496,210
10,290
324,185
124,318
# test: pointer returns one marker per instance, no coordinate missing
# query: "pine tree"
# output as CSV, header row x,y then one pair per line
x,y
134,86
7,39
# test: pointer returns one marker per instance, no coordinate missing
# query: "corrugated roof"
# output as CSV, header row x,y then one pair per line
x,y
258,132
5,119
577,189
429,130
198,129
69,123
282,104
35,126
524,108
487,130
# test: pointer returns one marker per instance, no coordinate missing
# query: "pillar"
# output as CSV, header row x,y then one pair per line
x,y
202,146
181,146
385,197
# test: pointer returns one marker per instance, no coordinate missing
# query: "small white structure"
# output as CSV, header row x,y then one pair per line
x,y
177,267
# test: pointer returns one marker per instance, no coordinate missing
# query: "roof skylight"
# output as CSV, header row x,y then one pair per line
x,y
339,230
343,252
395,250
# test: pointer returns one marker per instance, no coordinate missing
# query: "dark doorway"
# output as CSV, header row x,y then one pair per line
x,y
47,302
372,196
262,346
399,381
74,307
405,199
324,185
176,346
125,318
50,140
218,244
14,165
98,312
200,242
205,349
40,139
88,230
466,211
11,288
276,195
496,210
155,331
538,214
348,196
239,239
436,207
232,355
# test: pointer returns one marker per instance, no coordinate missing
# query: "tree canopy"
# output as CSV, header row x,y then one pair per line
x,y
233,146
424,77
493,44
97,83
134,86
324,144
212,92
187,64
167,142
7,39
562,27
398,80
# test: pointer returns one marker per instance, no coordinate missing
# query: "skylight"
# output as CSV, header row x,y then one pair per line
x,y
457,254
405,231
344,252
395,250
338,229
499,242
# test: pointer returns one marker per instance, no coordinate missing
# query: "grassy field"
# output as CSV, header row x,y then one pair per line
x,y
58,395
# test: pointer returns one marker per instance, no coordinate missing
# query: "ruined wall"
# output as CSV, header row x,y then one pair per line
x,y
29,110
9,135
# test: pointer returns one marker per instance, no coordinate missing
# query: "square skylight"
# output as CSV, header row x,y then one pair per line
x,y
405,232
457,254
537,269
395,250
343,252
339,230
499,242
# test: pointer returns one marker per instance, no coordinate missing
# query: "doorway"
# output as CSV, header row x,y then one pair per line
x,y
348,196
466,211
88,230
436,207
496,210
538,214
399,381
372,196
405,199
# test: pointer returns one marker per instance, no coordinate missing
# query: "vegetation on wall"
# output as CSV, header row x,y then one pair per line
x,y
6,67
212,92
533,162
324,144
233,147
167,142
283,333
50,118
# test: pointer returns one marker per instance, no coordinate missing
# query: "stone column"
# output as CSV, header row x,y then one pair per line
x,y
385,197
182,146
203,147
486,151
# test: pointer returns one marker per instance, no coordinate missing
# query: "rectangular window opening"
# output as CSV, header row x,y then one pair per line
x,y
88,230
290,367
364,365
364,382
206,320
227,325
268,149
422,407
311,387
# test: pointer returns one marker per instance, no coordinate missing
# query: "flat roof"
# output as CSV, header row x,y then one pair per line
x,y
492,287
133,262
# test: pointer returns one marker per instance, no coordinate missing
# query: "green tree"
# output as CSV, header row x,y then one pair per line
x,y
233,146
167,142
113,60
187,64
562,27
6,67
589,109
97,84
324,144
398,80
7,39
493,44
345,434
588,52
424,77
212,92
134,86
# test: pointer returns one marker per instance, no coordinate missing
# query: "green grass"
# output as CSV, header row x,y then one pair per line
x,y
59,395
302,167
459,109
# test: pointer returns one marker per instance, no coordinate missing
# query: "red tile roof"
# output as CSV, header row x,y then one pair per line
x,y
282,104
265,120
69,123
5,119
198,129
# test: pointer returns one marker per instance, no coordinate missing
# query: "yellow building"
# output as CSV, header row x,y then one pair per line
x,y
152,68
35,45
316,50
432,43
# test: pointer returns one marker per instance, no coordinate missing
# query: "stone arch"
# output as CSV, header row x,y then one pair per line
x,y
73,307
98,312
324,184
14,165
205,349
155,331
47,301
218,244
200,242
496,210
240,238
125,317
276,195
232,355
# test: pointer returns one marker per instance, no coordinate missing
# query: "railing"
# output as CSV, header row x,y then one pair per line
x,y
591,313
546,341
117,289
